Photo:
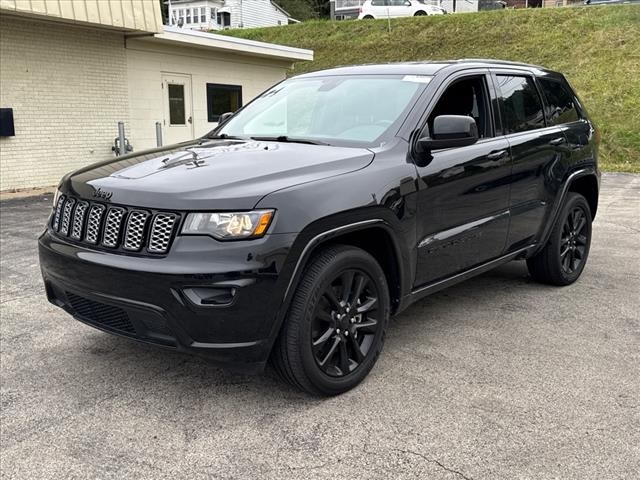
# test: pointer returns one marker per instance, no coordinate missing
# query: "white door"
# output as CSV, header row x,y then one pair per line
x,y
178,109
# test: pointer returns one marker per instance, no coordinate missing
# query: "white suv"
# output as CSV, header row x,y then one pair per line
x,y
398,8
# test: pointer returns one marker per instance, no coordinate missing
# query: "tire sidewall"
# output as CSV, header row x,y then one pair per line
x,y
574,200
346,259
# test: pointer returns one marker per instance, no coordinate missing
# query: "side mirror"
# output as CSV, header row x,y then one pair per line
x,y
224,117
407,3
449,131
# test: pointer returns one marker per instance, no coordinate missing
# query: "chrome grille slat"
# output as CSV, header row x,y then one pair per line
x,y
112,227
134,231
66,216
161,232
94,222
58,213
78,220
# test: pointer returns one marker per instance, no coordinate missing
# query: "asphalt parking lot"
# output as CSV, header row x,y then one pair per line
x,y
496,378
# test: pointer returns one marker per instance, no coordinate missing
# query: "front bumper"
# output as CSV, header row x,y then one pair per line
x,y
164,301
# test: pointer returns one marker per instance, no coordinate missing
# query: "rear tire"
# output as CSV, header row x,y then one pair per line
x,y
335,327
367,17
420,14
565,255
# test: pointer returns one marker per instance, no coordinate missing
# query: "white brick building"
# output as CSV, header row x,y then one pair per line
x,y
69,81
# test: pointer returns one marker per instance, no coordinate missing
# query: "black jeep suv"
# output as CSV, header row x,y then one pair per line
x,y
335,199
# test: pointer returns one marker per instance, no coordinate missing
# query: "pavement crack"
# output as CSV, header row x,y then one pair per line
x,y
435,461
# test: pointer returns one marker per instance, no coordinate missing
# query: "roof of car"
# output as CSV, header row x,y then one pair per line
x,y
420,68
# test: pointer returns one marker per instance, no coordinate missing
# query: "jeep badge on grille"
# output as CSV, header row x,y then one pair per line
x,y
99,193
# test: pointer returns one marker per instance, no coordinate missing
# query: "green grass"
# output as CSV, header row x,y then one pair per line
x,y
597,48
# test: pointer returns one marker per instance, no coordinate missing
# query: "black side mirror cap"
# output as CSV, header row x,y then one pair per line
x,y
449,131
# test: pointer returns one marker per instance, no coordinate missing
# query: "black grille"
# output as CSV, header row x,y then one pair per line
x,y
106,316
114,227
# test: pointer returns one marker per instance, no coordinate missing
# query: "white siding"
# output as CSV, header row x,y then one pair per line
x,y
255,13
67,87
142,15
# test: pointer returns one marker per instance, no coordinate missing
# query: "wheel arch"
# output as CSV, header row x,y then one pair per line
x,y
582,180
360,234
587,186
375,236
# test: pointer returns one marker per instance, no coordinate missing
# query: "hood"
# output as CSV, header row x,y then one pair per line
x,y
217,174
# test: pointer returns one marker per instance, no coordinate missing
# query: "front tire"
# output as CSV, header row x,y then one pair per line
x,y
420,14
335,327
565,255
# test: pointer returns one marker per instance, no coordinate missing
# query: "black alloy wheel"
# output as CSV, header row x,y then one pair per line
x,y
335,327
565,254
345,323
573,244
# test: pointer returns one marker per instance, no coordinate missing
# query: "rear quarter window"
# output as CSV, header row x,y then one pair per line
x,y
561,106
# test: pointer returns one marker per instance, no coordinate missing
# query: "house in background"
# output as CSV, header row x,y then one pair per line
x,y
70,71
221,14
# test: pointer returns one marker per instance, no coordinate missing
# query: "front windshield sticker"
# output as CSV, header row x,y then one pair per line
x,y
417,78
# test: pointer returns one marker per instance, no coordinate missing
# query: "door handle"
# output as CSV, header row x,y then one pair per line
x,y
558,141
496,154
190,120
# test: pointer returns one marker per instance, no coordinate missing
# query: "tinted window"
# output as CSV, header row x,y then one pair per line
x,y
520,104
465,97
222,99
561,106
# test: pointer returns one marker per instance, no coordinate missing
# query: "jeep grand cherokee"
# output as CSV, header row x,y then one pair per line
x,y
296,228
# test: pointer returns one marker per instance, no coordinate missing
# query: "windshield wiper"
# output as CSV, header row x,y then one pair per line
x,y
285,139
224,136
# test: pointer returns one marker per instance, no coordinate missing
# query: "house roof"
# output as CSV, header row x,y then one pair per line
x,y
212,41
281,9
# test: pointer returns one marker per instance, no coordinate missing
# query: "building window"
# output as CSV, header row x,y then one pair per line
x,y
222,99
203,15
196,14
188,16
176,104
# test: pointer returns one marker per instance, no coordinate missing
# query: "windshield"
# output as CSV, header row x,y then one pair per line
x,y
333,110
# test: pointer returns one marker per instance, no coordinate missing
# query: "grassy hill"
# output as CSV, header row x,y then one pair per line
x,y
598,48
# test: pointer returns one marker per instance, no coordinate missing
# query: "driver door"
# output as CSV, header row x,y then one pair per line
x,y
463,201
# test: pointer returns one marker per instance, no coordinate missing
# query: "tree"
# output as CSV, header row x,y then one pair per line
x,y
305,9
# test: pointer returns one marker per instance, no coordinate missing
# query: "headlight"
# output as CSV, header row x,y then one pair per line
x,y
228,225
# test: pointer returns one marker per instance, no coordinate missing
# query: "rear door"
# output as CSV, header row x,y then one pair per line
x,y
537,150
398,8
178,109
